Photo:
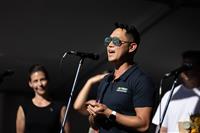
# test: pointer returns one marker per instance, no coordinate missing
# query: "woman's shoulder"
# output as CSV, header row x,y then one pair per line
x,y
25,103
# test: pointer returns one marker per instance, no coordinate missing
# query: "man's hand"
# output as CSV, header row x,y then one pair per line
x,y
97,78
94,108
92,122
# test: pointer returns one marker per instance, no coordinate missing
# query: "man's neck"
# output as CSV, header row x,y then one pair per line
x,y
122,69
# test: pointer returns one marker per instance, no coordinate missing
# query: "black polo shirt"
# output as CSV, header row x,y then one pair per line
x,y
132,89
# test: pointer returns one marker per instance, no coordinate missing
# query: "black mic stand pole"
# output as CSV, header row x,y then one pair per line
x,y
71,94
161,118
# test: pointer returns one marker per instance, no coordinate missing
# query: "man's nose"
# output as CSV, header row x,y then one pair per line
x,y
111,44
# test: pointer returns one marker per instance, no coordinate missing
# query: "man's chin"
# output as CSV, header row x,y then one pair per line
x,y
111,59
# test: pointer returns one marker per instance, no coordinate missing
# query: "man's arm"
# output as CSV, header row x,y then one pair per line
x,y
140,122
79,103
163,130
20,120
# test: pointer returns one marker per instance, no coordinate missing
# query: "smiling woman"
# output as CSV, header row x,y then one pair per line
x,y
41,114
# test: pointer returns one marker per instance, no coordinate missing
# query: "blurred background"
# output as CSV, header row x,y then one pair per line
x,y
41,31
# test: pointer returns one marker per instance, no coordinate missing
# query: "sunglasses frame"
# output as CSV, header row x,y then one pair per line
x,y
115,40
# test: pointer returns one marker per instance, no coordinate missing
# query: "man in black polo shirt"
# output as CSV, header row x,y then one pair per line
x,y
125,97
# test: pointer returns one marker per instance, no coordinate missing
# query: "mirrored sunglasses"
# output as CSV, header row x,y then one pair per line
x,y
115,40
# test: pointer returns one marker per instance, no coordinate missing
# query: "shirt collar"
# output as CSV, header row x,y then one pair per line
x,y
124,76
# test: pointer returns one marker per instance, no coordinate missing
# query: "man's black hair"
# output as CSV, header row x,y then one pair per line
x,y
191,56
130,30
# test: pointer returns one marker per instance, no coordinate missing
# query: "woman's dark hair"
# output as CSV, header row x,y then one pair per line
x,y
35,68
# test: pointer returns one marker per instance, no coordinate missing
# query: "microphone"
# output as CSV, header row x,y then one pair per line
x,y
184,67
92,56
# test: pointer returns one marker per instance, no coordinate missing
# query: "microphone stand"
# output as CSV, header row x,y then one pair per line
x,y
161,117
71,94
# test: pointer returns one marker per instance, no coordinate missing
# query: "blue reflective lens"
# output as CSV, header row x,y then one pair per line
x,y
115,40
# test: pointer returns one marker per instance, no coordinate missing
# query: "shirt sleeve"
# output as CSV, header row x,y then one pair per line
x,y
160,108
144,92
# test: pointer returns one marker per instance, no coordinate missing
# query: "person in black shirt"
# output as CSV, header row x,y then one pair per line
x,y
40,114
125,97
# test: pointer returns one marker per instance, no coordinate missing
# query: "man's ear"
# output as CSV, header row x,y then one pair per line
x,y
132,47
184,76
